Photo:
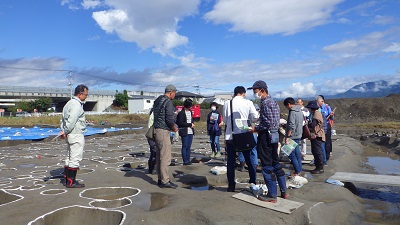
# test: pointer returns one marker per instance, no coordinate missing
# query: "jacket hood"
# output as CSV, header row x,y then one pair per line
x,y
296,108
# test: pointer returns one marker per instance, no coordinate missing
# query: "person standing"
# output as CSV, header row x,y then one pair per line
x,y
317,136
321,104
306,114
185,123
73,126
267,143
329,114
164,123
294,130
242,109
214,123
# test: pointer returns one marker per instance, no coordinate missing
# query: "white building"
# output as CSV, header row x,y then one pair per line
x,y
139,104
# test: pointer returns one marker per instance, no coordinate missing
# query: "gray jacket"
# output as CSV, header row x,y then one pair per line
x,y
163,113
73,118
295,122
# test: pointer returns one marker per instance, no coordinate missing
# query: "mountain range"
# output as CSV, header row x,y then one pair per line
x,y
374,89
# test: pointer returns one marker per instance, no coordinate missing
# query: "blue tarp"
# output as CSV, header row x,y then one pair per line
x,y
38,133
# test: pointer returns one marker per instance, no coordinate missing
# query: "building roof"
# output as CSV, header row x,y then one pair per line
x,y
141,97
186,94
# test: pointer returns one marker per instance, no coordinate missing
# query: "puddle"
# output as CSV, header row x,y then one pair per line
x,y
381,202
385,165
151,201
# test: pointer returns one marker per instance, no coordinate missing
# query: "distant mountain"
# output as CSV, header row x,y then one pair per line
x,y
374,89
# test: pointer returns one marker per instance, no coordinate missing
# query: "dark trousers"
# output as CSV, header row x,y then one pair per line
x,y
316,150
271,168
328,141
153,154
230,173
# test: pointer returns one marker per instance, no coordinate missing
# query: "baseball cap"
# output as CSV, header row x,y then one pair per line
x,y
259,85
170,88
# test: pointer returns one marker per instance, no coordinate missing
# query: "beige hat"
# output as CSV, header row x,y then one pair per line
x,y
170,88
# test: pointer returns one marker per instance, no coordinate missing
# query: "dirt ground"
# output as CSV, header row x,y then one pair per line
x,y
115,194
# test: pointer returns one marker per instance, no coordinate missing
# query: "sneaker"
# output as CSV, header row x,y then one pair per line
x,y
218,155
231,189
212,155
168,185
187,163
317,171
266,198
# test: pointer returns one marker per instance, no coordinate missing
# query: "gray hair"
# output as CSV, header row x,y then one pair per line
x,y
319,98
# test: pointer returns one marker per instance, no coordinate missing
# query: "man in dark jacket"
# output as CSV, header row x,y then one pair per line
x,y
164,123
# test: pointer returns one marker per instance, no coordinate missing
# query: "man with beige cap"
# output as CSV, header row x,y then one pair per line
x,y
164,123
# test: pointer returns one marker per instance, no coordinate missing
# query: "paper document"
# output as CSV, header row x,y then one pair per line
x,y
288,148
242,124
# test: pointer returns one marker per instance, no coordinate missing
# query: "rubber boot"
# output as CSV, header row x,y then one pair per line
x,y
151,164
65,175
71,179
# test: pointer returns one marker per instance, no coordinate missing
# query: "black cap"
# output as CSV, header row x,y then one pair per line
x,y
312,105
259,85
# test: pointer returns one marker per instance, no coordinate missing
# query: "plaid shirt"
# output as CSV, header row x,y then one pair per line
x,y
269,114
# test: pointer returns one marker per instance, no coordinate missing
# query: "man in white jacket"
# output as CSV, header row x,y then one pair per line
x,y
73,125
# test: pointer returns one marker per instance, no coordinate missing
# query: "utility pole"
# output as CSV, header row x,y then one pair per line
x,y
70,82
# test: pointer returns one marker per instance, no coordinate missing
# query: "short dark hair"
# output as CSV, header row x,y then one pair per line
x,y
323,98
188,103
288,101
239,90
80,89
214,104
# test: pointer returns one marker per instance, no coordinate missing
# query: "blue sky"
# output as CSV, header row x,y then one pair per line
x,y
300,48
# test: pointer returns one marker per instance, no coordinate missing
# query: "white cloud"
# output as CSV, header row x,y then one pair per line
x,y
91,4
344,21
33,72
149,24
394,47
298,90
271,16
383,20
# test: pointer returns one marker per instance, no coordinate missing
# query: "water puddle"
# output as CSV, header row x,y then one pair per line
x,y
385,165
151,201
381,202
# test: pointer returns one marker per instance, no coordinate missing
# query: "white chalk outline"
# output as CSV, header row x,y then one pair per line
x,y
102,200
21,197
44,215
98,199
63,191
38,171
309,210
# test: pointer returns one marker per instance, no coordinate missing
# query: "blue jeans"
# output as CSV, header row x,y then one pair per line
x,y
272,174
253,154
295,158
215,142
186,144
231,165
323,153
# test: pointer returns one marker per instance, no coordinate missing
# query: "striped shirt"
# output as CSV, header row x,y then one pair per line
x,y
269,114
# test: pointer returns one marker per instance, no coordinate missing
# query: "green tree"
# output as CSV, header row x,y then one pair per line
x,y
121,99
42,104
24,106
177,102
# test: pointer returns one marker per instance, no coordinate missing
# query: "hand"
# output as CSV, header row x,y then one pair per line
x,y
175,129
211,118
286,140
192,125
62,135
220,124
252,129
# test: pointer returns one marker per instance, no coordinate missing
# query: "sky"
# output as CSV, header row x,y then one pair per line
x,y
300,48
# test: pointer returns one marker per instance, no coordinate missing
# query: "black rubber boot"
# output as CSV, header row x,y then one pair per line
x,y
65,175
71,179
152,164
